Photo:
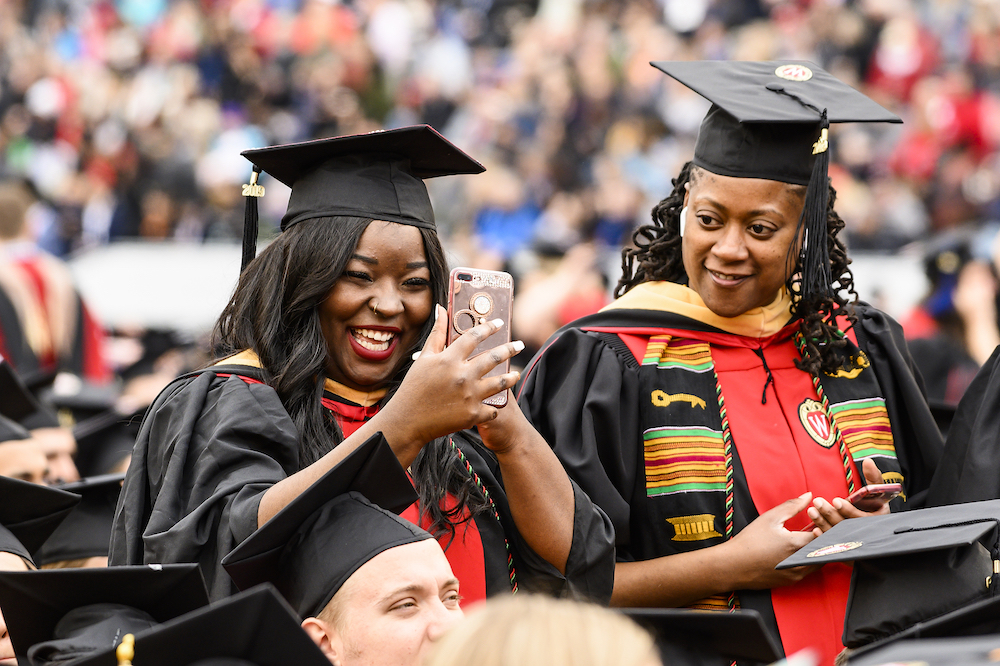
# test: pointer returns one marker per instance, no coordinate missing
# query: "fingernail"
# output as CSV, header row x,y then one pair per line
x,y
518,345
416,355
437,311
805,495
497,322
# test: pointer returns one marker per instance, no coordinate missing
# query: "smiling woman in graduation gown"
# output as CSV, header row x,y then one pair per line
x,y
722,403
315,358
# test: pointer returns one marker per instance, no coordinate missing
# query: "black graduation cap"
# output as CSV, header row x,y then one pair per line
x,y
378,175
707,637
29,513
105,440
314,544
86,531
254,627
37,601
912,566
978,618
935,652
12,430
19,403
769,120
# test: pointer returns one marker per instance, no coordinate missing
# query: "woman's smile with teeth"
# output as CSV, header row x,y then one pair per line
x,y
373,340
726,276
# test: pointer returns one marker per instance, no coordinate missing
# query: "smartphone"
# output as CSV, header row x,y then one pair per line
x,y
476,296
871,498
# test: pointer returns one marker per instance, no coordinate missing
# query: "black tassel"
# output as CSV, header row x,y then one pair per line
x,y
816,276
251,193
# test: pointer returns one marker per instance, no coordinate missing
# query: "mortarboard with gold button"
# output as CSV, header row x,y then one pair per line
x,y
932,572
252,628
56,615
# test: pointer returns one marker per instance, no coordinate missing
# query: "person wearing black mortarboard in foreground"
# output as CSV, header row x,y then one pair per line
x,y
315,352
28,514
58,616
255,628
370,587
731,397
82,539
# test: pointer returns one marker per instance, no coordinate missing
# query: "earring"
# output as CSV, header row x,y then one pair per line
x,y
683,223
374,307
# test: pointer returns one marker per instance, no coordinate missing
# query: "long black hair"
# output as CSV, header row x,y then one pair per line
x,y
657,256
274,311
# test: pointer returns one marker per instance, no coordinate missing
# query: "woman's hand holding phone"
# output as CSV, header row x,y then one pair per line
x,y
872,499
444,390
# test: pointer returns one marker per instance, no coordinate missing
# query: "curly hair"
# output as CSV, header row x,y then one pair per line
x,y
657,256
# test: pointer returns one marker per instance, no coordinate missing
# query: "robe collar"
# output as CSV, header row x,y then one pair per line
x,y
364,398
680,299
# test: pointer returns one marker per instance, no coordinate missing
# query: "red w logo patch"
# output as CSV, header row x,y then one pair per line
x,y
816,422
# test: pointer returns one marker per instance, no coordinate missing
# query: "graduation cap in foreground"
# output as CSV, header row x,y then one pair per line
x,y
378,175
707,637
978,618
86,531
934,652
255,627
64,612
313,545
29,513
770,120
912,566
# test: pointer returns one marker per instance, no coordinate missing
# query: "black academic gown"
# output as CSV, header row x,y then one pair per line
x,y
970,467
582,393
210,447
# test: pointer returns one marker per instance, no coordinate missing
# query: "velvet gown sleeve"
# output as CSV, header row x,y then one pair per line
x,y
590,567
968,469
580,396
918,441
207,451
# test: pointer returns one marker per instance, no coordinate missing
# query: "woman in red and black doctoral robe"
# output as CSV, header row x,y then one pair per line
x,y
724,405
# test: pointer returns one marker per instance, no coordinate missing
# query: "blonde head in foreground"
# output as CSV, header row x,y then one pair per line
x,y
530,630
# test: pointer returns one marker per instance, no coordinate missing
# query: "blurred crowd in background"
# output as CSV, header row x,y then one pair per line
x,y
124,120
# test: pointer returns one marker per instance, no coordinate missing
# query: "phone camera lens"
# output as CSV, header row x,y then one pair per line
x,y
465,277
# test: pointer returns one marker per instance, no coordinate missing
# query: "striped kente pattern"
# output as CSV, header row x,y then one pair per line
x,y
684,459
865,426
666,352
719,602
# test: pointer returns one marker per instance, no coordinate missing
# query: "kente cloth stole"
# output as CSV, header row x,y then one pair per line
x,y
689,455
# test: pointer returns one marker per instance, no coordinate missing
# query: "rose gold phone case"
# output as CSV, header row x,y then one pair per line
x,y
475,296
